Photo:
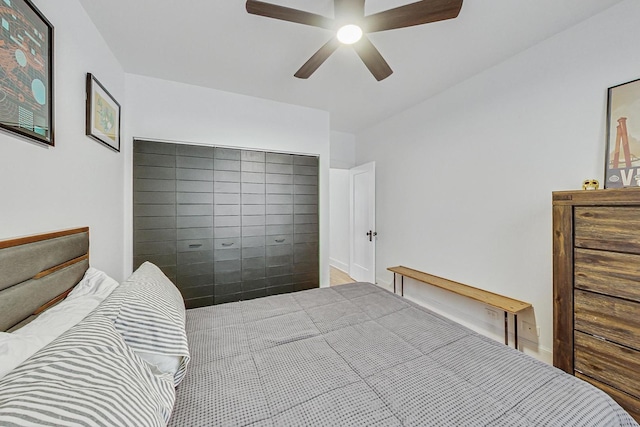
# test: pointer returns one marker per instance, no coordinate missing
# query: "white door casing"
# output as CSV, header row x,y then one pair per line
x,y
362,213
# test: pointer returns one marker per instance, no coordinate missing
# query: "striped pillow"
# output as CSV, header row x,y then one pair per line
x,y
151,319
87,376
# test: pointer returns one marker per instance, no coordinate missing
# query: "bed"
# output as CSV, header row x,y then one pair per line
x,y
350,355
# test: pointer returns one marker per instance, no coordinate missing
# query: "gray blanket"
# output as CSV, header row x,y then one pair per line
x,y
357,355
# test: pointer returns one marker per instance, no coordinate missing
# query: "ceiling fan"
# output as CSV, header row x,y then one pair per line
x,y
351,26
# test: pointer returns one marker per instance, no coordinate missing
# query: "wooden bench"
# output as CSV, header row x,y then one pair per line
x,y
506,304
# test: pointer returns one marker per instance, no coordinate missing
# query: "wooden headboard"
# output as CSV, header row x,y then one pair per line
x,y
38,271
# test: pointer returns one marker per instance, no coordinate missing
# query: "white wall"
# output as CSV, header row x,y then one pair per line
x,y
343,150
164,110
339,219
465,179
79,182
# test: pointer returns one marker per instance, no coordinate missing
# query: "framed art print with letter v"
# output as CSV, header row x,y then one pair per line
x,y
103,114
26,71
623,136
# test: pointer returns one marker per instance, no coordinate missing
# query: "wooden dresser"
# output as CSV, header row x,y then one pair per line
x,y
596,289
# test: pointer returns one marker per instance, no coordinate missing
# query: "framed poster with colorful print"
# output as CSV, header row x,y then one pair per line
x,y
103,114
26,71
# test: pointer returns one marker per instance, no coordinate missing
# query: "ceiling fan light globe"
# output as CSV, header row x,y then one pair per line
x,y
349,34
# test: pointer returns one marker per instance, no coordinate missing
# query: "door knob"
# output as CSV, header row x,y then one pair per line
x,y
371,235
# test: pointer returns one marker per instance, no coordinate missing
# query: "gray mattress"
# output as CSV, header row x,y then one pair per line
x,y
357,355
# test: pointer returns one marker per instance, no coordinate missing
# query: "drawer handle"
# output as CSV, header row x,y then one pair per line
x,y
227,244
198,245
279,240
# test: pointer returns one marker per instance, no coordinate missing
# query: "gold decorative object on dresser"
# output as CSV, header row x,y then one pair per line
x,y
596,289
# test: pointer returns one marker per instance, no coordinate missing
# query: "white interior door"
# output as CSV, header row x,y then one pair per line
x,y
362,212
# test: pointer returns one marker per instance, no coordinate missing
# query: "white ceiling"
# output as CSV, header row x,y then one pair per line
x,y
217,44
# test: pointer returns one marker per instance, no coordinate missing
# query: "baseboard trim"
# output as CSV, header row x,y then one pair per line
x,y
339,265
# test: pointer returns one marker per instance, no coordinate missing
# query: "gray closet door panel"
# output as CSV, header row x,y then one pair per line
x,y
253,167
200,302
227,243
227,288
226,210
155,248
279,239
226,153
195,245
194,292
286,159
201,151
185,162
306,189
276,230
253,177
305,267
280,280
254,210
227,266
154,147
305,228
249,242
305,170
195,233
198,280
154,197
251,188
195,210
228,221
194,257
226,176
256,231
305,219
276,261
305,160
226,232
278,290
144,159
203,269
224,299
253,199
307,238
253,284
154,210
152,223
154,185
305,209
194,187
305,199
227,199
279,199
226,187
227,254
252,156
252,220
279,219
193,221
280,189
278,250
228,277
226,165
279,209
276,178
279,168
259,293
279,270
194,174
194,198
253,252
305,179
157,235
253,274
154,172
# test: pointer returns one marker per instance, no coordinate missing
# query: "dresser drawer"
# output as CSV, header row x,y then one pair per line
x,y
612,318
615,228
608,273
607,362
628,402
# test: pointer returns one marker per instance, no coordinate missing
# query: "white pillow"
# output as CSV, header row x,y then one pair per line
x,y
19,345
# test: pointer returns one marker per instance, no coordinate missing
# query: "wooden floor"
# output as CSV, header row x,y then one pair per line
x,y
339,277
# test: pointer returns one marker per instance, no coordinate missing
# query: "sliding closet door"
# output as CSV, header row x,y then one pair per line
x,y
154,207
279,231
253,224
305,229
194,196
227,226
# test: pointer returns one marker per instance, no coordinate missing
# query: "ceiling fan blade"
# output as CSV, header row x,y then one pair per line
x,y
421,12
274,11
348,10
372,59
317,59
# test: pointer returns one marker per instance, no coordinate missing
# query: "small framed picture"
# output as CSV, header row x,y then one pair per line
x,y
622,167
26,71
103,114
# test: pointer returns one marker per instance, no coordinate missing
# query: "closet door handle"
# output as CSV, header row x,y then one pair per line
x,y
227,244
196,245
279,240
